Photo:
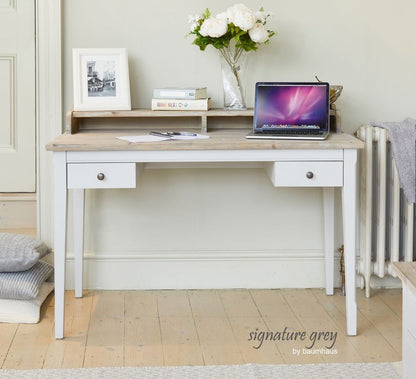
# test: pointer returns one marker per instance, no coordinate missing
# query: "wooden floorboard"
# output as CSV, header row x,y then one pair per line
x,y
77,321
393,299
375,311
7,333
142,334
214,329
369,342
105,341
206,327
30,345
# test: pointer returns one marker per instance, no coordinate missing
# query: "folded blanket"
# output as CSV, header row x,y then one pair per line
x,y
24,285
24,311
402,138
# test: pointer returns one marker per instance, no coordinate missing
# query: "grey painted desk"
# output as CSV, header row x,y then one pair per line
x,y
92,159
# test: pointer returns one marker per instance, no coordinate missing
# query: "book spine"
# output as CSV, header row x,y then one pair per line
x,y
180,93
180,105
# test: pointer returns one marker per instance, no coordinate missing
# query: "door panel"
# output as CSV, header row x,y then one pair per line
x,y
17,96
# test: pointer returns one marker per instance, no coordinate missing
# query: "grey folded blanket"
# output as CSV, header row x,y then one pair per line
x,y
403,142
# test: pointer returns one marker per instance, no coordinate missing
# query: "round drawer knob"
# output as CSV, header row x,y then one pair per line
x,y
100,176
309,174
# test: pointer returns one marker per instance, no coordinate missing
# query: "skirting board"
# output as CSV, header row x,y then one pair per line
x,y
203,270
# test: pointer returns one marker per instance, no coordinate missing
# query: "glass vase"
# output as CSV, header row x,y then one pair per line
x,y
233,65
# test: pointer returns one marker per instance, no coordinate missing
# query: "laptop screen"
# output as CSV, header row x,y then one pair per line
x,y
291,107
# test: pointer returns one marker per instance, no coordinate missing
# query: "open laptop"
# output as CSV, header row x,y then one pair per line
x,y
291,111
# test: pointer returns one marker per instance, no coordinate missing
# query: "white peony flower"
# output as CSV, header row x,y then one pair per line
x,y
213,27
193,18
261,16
241,16
258,33
193,21
223,16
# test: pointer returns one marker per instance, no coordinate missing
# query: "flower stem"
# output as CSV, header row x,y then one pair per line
x,y
232,61
231,55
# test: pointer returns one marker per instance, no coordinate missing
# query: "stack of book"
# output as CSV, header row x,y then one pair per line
x,y
180,99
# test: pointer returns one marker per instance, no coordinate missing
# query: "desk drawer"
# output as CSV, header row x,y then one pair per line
x,y
101,175
306,174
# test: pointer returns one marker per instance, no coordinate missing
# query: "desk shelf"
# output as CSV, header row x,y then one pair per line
x,y
74,117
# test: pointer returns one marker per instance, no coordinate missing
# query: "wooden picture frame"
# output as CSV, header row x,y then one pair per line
x,y
101,79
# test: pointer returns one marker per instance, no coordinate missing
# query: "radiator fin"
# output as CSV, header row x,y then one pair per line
x,y
387,221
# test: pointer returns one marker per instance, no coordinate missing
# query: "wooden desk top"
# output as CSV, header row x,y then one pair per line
x,y
221,139
406,271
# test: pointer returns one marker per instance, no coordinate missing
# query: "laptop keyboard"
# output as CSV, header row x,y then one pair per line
x,y
292,132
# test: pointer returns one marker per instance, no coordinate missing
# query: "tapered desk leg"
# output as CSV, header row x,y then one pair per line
x,y
349,218
78,202
328,193
60,211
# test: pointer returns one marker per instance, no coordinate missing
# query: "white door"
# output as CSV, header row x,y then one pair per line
x,y
17,96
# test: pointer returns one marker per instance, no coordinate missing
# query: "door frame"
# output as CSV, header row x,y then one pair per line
x,y
48,107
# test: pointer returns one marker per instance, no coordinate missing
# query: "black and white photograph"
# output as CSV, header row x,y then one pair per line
x,y
101,79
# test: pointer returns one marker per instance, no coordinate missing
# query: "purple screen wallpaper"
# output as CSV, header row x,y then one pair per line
x,y
291,106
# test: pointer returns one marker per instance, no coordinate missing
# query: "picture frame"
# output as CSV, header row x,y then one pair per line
x,y
101,79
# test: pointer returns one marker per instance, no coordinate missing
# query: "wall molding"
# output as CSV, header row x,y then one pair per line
x,y
16,196
202,270
11,60
207,255
7,5
48,107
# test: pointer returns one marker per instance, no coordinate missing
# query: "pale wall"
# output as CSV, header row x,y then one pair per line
x,y
227,217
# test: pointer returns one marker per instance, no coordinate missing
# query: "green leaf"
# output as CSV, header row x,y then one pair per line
x,y
206,14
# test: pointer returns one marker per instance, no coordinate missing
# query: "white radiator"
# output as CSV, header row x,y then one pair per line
x,y
387,221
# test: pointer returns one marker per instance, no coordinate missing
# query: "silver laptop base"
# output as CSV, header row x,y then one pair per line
x,y
253,135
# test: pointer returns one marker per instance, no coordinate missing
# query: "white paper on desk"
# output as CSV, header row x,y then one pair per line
x,y
152,138
198,136
143,138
